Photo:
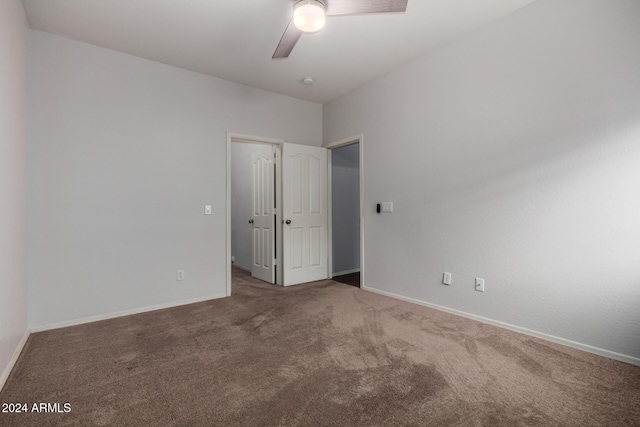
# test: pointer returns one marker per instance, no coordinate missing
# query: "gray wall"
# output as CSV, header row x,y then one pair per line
x,y
345,206
512,155
123,155
13,180
241,204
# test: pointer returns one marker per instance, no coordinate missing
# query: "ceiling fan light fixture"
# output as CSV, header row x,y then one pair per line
x,y
309,15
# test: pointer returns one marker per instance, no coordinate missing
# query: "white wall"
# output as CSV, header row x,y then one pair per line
x,y
241,202
513,155
345,207
123,155
13,181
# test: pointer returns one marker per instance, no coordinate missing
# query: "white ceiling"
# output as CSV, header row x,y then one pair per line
x,y
235,39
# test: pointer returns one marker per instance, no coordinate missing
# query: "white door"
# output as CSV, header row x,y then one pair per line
x,y
263,216
304,213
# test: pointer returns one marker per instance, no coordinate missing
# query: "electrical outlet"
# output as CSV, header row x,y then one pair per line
x,y
479,284
446,278
207,210
386,207
180,275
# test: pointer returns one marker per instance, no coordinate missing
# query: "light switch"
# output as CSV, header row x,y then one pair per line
x,y
446,278
207,210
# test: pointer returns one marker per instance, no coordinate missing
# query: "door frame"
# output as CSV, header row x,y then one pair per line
x,y
356,139
250,139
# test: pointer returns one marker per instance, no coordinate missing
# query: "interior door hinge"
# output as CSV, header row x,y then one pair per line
x,y
275,262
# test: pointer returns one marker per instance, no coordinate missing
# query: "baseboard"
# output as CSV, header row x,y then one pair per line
x,y
342,273
14,359
573,344
107,316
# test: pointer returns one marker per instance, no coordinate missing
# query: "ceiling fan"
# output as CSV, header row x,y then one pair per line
x,y
309,17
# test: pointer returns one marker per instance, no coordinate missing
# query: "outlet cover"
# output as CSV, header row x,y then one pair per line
x,y
446,278
180,275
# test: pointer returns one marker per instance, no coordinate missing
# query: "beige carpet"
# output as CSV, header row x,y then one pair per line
x,y
316,354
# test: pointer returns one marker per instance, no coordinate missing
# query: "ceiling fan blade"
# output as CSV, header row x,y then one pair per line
x,y
287,42
360,7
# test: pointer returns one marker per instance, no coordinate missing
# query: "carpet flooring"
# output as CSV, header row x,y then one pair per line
x,y
319,354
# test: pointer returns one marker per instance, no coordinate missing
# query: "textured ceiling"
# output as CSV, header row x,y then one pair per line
x,y
235,39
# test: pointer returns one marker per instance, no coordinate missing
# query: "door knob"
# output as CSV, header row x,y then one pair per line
x,y
288,222
250,221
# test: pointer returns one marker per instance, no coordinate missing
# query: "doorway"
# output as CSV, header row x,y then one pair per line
x,y
253,204
296,225
239,223
346,223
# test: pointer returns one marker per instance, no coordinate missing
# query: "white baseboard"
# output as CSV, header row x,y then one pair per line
x,y
106,316
14,359
573,344
342,273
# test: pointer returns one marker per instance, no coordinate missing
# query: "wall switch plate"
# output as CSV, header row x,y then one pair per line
x,y
387,206
479,284
446,278
180,275
207,210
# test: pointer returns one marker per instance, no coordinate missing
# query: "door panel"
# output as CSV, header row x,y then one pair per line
x,y
262,163
315,246
305,206
295,184
315,185
295,248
